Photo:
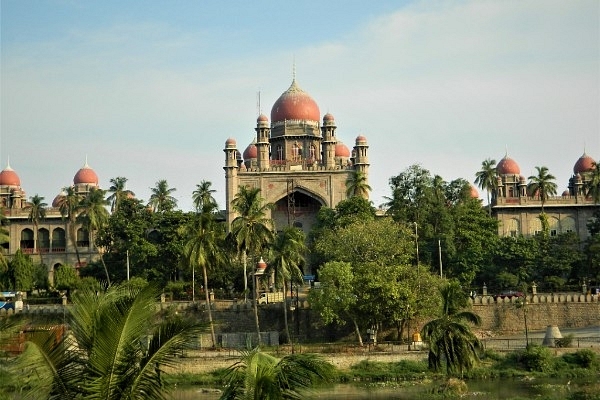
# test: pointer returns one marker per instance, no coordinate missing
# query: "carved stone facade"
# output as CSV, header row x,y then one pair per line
x,y
298,163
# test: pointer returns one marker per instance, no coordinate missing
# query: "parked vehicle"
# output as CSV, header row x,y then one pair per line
x,y
267,298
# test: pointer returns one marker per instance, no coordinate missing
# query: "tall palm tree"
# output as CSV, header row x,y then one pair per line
x,y
486,178
203,196
68,204
592,188
451,341
94,216
161,199
119,192
37,213
251,231
117,347
357,185
262,376
286,257
542,185
204,249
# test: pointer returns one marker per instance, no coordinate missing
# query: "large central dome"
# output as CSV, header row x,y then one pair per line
x,y
295,104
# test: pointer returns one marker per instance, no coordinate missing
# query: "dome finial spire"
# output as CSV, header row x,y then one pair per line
x,y
8,162
294,70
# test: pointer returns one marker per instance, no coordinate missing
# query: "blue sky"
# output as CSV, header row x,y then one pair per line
x,y
151,90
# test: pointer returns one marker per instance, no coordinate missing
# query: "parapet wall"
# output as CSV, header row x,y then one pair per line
x,y
563,310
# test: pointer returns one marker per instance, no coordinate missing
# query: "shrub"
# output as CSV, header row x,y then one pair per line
x,y
584,358
564,342
537,358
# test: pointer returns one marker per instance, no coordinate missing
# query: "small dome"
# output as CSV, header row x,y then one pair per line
x,y
474,192
341,150
230,142
328,117
251,151
508,166
85,175
295,105
565,193
262,118
8,177
585,163
58,199
360,139
261,265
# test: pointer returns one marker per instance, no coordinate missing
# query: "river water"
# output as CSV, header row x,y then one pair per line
x,y
501,389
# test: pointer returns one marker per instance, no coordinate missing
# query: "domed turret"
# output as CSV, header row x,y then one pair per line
x,y
360,139
86,176
251,151
58,199
8,177
474,192
295,105
585,163
508,166
230,143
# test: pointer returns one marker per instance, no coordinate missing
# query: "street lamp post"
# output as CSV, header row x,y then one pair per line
x,y
417,254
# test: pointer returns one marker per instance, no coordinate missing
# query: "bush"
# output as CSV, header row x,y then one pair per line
x,y
564,342
583,358
537,358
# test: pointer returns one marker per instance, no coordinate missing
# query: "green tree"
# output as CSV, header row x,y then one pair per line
x,y
204,246
287,256
451,342
94,216
23,272
119,192
37,213
4,239
65,278
251,231
203,197
261,376
68,204
161,199
486,178
357,185
592,186
542,185
118,347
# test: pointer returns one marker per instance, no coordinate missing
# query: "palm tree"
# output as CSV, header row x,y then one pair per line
x,y
203,197
286,258
204,248
593,184
4,238
68,204
486,179
251,231
451,341
117,347
542,184
262,376
37,213
94,216
161,199
118,191
357,185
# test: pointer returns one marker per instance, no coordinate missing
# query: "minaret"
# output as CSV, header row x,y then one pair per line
x,y
231,177
329,141
361,160
262,142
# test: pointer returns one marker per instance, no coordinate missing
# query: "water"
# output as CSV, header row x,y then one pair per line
x,y
501,389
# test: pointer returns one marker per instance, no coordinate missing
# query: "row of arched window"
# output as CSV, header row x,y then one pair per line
x,y
50,242
555,225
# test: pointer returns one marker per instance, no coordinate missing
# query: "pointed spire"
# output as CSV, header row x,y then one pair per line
x,y
8,168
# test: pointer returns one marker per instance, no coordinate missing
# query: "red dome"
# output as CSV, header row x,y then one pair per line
x,y
85,175
328,117
341,150
584,164
57,200
8,177
474,192
230,142
508,166
361,139
295,104
250,152
262,118
261,264
565,193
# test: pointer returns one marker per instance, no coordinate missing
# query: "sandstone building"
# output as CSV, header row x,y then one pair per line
x,y
298,162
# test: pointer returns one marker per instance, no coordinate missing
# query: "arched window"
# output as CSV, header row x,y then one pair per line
x,y
554,226
59,241
279,152
567,224
43,240
313,152
27,241
296,152
513,227
83,238
535,226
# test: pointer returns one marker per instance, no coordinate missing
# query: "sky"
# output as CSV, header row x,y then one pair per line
x,y
151,90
